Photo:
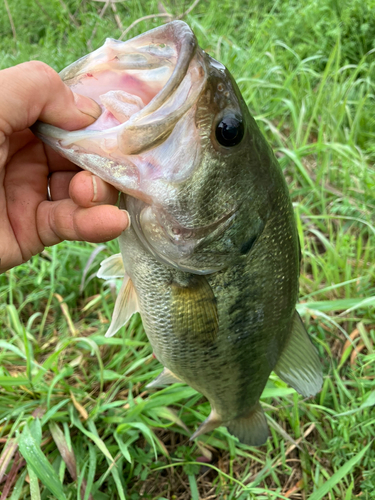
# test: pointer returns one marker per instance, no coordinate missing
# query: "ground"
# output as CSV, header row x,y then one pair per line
x,y
75,418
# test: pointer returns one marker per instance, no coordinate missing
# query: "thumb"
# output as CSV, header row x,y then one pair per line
x,y
34,91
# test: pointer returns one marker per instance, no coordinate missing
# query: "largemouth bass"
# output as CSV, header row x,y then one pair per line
x,y
212,258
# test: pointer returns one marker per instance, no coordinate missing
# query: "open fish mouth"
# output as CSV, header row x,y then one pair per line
x,y
144,87
162,98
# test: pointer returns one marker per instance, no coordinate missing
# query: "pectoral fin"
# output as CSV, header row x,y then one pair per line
x,y
166,377
299,364
194,310
126,305
111,268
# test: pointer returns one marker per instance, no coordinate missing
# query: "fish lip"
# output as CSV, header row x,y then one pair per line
x,y
186,44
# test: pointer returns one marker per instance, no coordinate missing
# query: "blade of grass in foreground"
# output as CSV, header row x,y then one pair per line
x,y
17,490
193,488
370,401
34,485
38,463
337,476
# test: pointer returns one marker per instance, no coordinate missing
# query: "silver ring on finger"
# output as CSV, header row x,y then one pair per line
x,y
49,196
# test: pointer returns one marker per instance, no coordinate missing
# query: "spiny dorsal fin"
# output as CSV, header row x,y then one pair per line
x,y
251,429
194,310
166,377
111,268
299,364
126,305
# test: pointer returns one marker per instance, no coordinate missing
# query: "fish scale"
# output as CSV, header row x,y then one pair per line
x,y
211,260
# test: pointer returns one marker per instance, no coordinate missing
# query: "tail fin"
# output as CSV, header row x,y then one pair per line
x,y
251,429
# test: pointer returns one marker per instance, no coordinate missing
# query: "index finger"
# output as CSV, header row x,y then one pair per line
x,y
55,161
32,91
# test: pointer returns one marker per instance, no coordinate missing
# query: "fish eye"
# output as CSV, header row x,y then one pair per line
x,y
230,131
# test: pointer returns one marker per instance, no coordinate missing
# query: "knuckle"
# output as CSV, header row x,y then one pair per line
x,y
58,220
40,67
42,72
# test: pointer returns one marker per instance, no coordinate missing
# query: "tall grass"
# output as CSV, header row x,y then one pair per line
x,y
75,418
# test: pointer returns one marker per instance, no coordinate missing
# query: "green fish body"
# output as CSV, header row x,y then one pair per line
x,y
211,260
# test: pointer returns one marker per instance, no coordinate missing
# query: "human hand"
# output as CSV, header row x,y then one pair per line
x,y
82,206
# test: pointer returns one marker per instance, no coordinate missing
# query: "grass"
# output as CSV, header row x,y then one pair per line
x,y
75,418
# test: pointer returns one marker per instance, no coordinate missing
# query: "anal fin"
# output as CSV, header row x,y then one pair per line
x,y
126,305
299,364
211,422
251,429
166,377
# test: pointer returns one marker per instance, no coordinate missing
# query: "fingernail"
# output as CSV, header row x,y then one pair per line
x,y
95,189
129,219
87,105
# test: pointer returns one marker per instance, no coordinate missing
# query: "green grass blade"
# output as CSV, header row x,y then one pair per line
x,y
116,477
13,381
38,463
99,442
337,476
17,490
370,401
193,487
34,484
91,472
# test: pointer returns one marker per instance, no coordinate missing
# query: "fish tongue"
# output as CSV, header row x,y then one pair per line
x,y
121,104
118,106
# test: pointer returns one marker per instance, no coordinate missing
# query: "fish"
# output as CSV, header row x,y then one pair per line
x,y
211,260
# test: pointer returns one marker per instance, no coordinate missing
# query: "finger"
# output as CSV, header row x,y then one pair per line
x,y
59,185
56,162
32,91
64,220
25,187
88,190
18,140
